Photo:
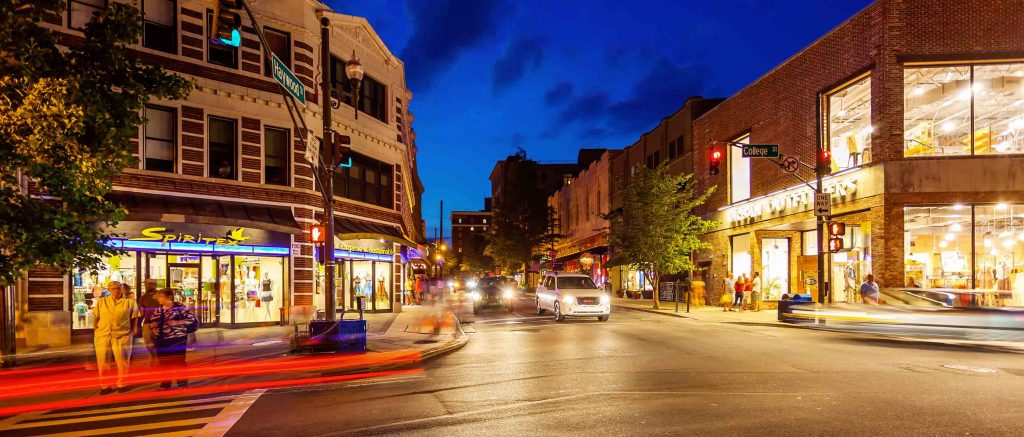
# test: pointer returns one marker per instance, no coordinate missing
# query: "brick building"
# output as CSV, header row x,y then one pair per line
x,y
222,194
469,230
921,104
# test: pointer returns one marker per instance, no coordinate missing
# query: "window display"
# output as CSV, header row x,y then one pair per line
x,y
937,246
963,110
87,285
258,288
774,268
999,252
741,258
851,265
849,125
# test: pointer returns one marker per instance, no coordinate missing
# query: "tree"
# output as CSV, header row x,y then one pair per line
x,y
474,259
520,218
657,229
66,120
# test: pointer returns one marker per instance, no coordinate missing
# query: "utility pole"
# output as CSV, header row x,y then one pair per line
x,y
328,150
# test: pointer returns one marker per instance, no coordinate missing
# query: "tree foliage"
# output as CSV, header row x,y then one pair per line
x,y
657,229
473,258
66,120
520,215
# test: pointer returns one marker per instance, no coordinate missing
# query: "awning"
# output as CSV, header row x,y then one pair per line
x,y
162,208
351,229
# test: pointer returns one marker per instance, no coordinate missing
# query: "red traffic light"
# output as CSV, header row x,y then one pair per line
x,y
316,234
714,160
716,155
836,229
824,162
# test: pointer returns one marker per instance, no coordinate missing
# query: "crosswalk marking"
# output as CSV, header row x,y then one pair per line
x,y
223,422
225,399
130,428
42,423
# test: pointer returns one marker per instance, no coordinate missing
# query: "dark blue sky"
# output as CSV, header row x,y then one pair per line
x,y
558,75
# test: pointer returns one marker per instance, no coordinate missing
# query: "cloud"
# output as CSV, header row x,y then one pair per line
x,y
521,56
444,29
558,93
589,106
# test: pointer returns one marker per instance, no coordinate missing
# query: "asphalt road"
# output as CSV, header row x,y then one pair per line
x,y
645,374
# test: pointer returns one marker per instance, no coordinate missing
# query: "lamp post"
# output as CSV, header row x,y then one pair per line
x,y
354,71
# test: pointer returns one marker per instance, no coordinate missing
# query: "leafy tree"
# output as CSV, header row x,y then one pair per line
x,y
474,258
657,230
66,120
520,215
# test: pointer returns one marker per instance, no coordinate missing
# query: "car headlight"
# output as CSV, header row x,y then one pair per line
x,y
605,299
474,295
470,283
507,294
567,299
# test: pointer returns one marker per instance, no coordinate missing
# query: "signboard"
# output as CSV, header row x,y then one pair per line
x,y
287,79
313,150
760,150
296,249
822,204
790,165
162,233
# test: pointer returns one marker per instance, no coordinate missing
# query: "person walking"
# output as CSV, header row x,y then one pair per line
x,y
171,323
755,291
741,284
869,291
148,304
114,322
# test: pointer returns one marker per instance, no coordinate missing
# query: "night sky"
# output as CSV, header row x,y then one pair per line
x,y
555,76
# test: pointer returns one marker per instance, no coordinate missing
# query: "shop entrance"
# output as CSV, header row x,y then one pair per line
x,y
194,280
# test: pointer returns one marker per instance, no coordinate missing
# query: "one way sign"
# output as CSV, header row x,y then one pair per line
x,y
822,204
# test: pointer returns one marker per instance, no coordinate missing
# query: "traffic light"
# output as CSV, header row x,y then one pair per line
x,y
342,150
835,244
824,162
836,229
317,234
227,23
715,159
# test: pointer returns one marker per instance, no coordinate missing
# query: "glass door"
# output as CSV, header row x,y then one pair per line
x,y
183,276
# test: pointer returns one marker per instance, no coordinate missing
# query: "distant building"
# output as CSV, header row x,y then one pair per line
x,y
466,225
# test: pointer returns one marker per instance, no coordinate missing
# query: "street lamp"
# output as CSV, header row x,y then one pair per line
x,y
355,71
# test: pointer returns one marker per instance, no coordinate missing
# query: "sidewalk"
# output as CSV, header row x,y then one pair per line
x,y
711,314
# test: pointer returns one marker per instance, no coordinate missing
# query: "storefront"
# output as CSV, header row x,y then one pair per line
x,y
775,235
229,276
365,269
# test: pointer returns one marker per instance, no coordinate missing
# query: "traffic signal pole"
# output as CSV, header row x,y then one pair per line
x,y
328,148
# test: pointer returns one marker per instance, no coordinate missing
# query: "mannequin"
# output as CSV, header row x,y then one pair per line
x,y
252,286
382,291
267,293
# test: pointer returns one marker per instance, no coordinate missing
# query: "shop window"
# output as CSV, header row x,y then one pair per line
x,y
259,288
851,265
774,267
937,247
281,45
741,258
739,172
87,285
158,146
80,12
810,243
218,54
849,124
223,148
937,111
998,109
159,25
275,158
999,252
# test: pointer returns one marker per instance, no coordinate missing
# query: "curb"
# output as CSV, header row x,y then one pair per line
x,y
681,316
461,339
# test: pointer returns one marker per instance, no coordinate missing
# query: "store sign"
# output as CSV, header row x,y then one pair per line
x,y
790,201
162,234
374,250
586,260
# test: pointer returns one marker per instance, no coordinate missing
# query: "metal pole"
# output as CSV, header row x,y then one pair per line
x,y
8,348
328,149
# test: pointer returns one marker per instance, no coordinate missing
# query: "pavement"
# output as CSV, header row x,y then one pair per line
x,y
702,313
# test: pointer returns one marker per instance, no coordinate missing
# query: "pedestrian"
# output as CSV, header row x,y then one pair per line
x,y
114,322
740,286
869,292
727,292
755,291
148,304
171,323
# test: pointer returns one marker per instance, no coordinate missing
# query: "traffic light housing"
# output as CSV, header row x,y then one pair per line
x,y
835,244
227,21
824,162
836,229
342,151
715,159
317,234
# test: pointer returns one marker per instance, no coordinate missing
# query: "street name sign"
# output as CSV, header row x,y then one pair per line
x,y
822,204
287,79
760,150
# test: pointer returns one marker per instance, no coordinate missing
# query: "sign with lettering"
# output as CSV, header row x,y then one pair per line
x,y
376,250
789,201
165,233
760,150
287,79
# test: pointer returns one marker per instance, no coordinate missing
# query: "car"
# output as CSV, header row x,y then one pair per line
x,y
493,291
572,295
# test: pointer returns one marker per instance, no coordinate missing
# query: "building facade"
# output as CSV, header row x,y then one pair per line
x,y
579,210
222,195
921,104
469,234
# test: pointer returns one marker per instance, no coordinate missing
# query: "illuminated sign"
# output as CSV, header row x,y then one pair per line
x,y
374,250
161,234
792,200
316,234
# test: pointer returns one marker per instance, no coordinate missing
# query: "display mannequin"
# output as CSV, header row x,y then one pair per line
x,y
267,293
382,291
252,286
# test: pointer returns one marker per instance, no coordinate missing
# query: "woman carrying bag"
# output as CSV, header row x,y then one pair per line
x,y
172,323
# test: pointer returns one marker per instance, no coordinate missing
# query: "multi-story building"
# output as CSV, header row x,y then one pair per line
x,y
469,230
579,209
921,103
222,194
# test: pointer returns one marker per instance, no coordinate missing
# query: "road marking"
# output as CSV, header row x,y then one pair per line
x,y
226,399
43,423
223,421
969,368
130,428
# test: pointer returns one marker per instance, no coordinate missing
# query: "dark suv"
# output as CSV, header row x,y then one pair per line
x,y
493,291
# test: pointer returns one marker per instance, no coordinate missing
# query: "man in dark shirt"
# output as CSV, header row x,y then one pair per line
x,y
148,304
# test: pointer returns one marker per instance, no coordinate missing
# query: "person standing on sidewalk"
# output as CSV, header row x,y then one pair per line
x,y
148,304
171,323
741,284
114,323
727,292
869,291
755,292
